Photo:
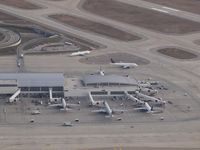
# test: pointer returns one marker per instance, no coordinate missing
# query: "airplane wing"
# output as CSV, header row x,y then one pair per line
x,y
143,109
73,105
99,111
157,111
109,116
118,110
55,105
73,54
140,108
65,109
125,66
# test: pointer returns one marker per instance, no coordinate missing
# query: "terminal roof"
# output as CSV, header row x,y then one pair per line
x,y
108,79
35,79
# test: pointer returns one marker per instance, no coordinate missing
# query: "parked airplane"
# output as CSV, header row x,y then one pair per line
x,y
95,103
145,108
147,98
147,91
148,109
108,110
63,105
123,65
154,82
144,84
80,53
149,81
149,84
35,112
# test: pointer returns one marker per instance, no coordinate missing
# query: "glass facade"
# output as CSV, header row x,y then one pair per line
x,y
41,92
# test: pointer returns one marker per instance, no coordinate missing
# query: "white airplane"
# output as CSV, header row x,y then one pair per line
x,y
63,105
148,109
147,98
154,82
144,84
108,110
147,91
145,108
95,103
149,81
123,65
80,53
35,112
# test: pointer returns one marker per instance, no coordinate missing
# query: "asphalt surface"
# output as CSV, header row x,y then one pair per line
x,y
182,75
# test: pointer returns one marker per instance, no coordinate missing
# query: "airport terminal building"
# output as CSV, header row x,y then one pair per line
x,y
108,80
36,85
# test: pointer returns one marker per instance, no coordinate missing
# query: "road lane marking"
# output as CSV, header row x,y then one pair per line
x,y
169,8
160,10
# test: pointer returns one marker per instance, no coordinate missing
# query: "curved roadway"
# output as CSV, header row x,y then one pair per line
x,y
11,38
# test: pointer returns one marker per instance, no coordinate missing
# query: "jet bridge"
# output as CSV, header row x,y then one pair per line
x,y
90,97
13,97
51,96
133,98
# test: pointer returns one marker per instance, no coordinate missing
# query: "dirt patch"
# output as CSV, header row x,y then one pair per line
x,y
186,5
197,42
95,27
1,37
141,17
10,19
177,53
6,17
105,59
41,41
20,4
8,51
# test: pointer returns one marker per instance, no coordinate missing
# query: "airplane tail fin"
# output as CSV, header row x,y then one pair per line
x,y
112,61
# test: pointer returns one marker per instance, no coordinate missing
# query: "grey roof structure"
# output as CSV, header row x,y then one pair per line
x,y
35,79
8,90
108,79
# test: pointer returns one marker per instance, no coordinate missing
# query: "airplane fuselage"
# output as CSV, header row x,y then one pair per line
x,y
125,65
147,98
81,53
